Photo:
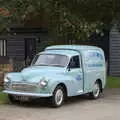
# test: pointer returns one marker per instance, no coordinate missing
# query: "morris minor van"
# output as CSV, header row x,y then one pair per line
x,y
59,72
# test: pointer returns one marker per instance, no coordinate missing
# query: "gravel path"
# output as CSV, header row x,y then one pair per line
x,y
77,108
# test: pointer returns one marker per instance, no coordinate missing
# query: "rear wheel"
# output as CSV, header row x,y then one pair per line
x,y
96,91
58,96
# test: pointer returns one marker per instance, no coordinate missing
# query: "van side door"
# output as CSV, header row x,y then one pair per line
x,y
76,73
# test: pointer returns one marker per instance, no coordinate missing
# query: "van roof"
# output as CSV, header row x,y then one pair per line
x,y
68,50
61,52
72,47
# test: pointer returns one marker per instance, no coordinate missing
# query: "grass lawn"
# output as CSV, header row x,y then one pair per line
x,y
3,98
112,82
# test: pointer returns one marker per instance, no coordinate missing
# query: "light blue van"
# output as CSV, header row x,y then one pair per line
x,y
59,72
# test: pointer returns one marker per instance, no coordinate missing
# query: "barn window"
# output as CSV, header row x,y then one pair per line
x,y
2,47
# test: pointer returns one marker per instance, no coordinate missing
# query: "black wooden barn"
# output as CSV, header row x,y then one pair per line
x,y
23,43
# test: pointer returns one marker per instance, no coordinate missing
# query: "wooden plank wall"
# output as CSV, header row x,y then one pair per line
x,y
15,47
114,55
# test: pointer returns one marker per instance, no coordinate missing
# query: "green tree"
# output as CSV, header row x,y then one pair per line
x,y
79,18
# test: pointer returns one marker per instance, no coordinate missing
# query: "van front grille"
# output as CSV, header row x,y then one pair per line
x,y
24,87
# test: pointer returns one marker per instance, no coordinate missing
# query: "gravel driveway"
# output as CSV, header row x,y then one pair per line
x,y
77,108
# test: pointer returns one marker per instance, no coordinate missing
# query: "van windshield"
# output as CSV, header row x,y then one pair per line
x,y
50,60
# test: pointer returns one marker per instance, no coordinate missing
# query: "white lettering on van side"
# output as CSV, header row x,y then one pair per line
x,y
94,58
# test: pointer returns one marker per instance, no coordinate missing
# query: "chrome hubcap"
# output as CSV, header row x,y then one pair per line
x,y
59,96
96,90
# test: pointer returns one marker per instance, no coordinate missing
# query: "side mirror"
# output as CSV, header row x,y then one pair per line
x,y
68,68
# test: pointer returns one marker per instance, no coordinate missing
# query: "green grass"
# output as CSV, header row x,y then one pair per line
x,y
3,97
0,88
112,82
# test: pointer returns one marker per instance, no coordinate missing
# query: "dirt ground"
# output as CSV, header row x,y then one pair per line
x,y
76,108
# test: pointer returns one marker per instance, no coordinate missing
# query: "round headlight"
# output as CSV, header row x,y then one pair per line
x,y
43,83
7,79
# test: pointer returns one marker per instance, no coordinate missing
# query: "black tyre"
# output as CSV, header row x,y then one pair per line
x,y
58,97
12,99
95,94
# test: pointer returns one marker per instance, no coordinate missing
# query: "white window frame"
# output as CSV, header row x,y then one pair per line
x,y
3,48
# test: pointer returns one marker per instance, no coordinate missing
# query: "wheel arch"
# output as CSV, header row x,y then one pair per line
x,y
64,87
100,83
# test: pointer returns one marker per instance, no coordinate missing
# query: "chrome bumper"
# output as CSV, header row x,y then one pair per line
x,y
26,94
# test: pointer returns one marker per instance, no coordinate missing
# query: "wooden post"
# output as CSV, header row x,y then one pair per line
x,y
11,67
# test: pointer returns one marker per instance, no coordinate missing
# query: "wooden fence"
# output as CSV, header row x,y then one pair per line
x,y
10,66
5,68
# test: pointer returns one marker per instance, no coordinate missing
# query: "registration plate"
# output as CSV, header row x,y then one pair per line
x,y
22,98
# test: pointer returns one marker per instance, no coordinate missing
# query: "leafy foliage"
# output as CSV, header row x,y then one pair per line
x,y
78,18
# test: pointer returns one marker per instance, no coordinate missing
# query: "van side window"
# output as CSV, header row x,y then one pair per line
x,y
74,62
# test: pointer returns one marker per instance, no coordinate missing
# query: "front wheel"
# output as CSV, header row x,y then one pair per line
x,y
58,96
12,99
96,91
